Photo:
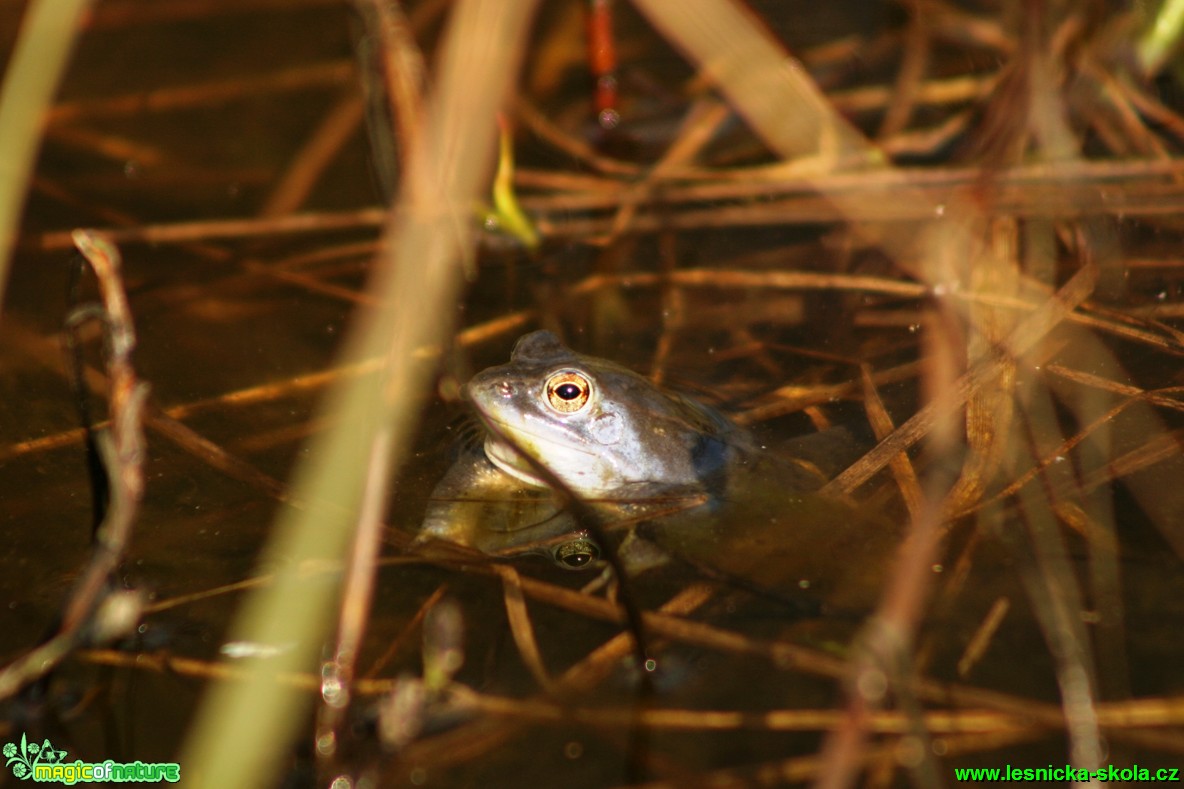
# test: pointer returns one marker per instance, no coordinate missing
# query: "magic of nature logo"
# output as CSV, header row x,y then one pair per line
x,y
46,764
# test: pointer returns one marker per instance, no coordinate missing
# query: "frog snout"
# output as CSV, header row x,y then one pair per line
x,y
478,390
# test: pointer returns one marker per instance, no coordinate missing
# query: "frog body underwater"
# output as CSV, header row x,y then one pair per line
x,y
681,475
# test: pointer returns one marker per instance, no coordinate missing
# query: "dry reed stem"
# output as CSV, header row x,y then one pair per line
x,y
1063,450
479,737
700,125
356,595
521,627
1055,595
202,94
935,92
915,62
206,594
902,468
167,419
400,87
405,634
1069,189
318,152
216,456
128,13
759,78
690,32
1025,335
532,118
981,640
165,422
1166,712
1132,714
962,27
1142,712
110,146
920,142
790,398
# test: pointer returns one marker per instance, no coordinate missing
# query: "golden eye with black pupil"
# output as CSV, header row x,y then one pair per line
x,y
568,392
577,554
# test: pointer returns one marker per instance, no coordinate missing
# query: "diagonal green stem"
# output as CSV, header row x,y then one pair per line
x,y
42,49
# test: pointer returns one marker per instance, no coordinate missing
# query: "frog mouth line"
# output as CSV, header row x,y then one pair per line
x,y
510,432
507,454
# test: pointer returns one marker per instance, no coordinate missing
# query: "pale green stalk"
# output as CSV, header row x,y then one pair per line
x,y
1161,38
42,50
244,728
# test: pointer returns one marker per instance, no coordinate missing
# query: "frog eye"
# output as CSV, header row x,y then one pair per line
x,y
577,554
568,391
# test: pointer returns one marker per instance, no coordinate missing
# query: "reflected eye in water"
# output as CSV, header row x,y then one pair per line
x,y
577,554
568,391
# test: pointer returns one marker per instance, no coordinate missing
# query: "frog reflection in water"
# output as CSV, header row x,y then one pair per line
x,y
688,482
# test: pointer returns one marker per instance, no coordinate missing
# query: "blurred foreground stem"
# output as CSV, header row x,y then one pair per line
x,y
243,728
1161,38
46,36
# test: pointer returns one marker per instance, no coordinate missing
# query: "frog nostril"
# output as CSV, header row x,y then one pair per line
x,y
504,388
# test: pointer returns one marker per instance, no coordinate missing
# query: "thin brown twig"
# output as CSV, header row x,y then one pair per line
x,y
328,74
533,118
216,455
983,634
1123,715
125,13
1025,335
404,635
122,451
521,627
338,673
915,62
260,393
701,123
111,146
403,73
935,92
318,152
1157,712
1073,189
1134,395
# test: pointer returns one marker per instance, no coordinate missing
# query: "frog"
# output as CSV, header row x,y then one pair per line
x,y
682,479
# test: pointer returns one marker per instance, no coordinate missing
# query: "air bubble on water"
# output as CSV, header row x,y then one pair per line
x,y
333,686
